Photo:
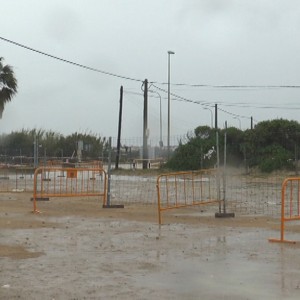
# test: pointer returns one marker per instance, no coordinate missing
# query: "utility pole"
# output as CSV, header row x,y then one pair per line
x,y
119,129
216,116
145,129
251,123
224,172
221,214
169,102
35,152
218,156
217,135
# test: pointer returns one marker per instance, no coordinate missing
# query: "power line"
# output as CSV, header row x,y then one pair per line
x,y
231,86
69,62
204,103
232,104
152,82
243,105
232,114
177,97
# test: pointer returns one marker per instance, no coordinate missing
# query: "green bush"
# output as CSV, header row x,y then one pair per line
x,y
275,157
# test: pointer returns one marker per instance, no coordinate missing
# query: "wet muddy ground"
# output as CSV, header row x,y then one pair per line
x,y
75,249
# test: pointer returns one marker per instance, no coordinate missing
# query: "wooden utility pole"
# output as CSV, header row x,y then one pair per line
x,y
145,129
218,156
216,116
119,129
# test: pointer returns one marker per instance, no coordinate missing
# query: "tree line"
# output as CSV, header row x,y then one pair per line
x,y
270,145
20,145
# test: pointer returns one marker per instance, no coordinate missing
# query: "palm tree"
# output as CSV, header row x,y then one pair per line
x,y
8,85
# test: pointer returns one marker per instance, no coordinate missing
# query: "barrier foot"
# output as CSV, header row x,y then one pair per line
x,y
224,215
40,199
113,206
36,212
282,241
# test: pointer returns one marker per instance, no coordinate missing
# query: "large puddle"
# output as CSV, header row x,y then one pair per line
x,y
108,259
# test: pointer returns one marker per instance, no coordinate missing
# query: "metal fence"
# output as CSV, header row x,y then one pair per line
x,y
244,193
16,179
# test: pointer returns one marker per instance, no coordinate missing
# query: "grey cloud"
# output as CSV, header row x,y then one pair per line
x,y
62,23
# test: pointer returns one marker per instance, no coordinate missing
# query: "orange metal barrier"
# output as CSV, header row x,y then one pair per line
x,y
68,182
183,189
290,206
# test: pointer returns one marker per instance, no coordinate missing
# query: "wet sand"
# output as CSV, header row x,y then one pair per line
x,y
75,249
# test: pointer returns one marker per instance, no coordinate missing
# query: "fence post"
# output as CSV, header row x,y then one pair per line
x,y
108,172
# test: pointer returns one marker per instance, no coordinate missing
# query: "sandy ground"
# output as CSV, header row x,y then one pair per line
x,y
75,249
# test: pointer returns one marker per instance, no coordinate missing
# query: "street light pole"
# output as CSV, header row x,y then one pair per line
x,y
145,132
169,101
160,123
211,116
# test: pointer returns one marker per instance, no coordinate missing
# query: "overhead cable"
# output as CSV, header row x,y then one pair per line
x,y
151,82
231,86
69,61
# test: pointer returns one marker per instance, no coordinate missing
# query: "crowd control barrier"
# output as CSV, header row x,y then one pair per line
x,y
290,206
184,189
68,182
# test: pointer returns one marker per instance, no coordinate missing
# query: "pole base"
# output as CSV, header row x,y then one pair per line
x,y
224,215
113,206
282,241
40,199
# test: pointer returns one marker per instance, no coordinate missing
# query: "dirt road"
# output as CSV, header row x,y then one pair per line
x,y
75,249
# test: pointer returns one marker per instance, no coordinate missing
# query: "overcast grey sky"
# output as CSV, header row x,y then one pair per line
x,y
216,42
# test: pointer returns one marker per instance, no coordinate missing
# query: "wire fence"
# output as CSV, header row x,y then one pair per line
x,y
245,194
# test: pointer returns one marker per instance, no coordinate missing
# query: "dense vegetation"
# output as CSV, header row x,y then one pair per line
x,y
271,145
53,145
